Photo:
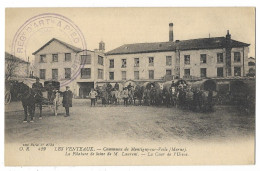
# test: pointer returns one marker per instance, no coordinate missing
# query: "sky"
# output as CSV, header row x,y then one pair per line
x,y
118,26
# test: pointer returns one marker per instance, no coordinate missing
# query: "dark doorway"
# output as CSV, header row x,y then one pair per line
x,y
85,88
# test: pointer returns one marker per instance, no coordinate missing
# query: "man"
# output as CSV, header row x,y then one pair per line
x,y
67,100
38,88
129,86
116,86
93,95
125,96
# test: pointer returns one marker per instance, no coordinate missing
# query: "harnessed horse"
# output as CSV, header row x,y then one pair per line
x,y
28,98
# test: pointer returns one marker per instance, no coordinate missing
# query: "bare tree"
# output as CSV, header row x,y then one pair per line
x,y
11,65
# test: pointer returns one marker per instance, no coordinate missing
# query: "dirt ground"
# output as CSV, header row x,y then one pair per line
x,y
132,123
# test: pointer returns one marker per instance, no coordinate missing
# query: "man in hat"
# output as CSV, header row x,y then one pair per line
x,y
38,88
67,100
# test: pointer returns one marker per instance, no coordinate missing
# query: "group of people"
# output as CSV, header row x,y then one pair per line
x,y
180,95
111,95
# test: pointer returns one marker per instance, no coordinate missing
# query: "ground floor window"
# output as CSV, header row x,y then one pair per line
x,y
136,75
151,74
220,72
111,75
203,72
42,73
86,73
55,74
186,72
100,74
123,75
67,73
168,72
237,71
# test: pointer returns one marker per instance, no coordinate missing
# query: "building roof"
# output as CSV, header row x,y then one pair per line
x,y
75,49
192,44
8,56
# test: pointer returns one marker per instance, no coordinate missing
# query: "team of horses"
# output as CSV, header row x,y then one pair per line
x,y
180,95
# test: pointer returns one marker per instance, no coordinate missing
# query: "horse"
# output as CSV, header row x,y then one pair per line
x,y
167,96
146,97
138,94
28,98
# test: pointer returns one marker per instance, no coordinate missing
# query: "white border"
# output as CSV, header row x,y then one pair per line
x,y
117,3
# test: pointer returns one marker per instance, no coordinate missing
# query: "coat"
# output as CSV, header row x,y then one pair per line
x,y
67,99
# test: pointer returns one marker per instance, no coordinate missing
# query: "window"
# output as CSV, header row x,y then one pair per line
x,y
168,60
186,72
67,56
123,75
136,60
42,73
123,63
220,58
186,59
43,59
151,74
203,58
100,60
55,74
100,74
251,63
85,59
237,71
67,73
136,75
220,72
111,75
54,57
237,56
111,63
168,72
203,72
151,61
86,73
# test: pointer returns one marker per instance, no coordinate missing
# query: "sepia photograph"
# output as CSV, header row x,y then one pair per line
x,y
130,86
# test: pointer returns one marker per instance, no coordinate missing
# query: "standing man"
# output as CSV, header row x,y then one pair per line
x,y
125,96
93,95
38,88
67,100
116,86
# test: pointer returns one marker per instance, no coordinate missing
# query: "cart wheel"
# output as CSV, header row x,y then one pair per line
x,y
7,97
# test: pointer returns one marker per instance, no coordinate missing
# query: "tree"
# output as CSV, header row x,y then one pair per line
x,y
12,65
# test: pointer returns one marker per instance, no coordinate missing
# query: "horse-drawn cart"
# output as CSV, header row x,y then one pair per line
x,y
49,92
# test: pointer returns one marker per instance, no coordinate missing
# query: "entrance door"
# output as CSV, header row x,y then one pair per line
x,y
85,88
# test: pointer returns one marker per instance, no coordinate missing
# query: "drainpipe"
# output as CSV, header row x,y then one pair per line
x,y
243,61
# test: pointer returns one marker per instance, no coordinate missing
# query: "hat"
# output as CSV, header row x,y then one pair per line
x,y
67,86
37,78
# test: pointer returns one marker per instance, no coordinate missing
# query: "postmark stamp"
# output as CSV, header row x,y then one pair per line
x,y
49,25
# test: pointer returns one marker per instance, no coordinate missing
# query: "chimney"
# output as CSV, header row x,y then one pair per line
x,y
228,49
102,46
171,32
228,36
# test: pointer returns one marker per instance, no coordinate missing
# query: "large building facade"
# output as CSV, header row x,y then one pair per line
x,y
158,61
195,58
72,66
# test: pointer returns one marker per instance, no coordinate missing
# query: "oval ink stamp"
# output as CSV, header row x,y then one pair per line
x,y
38,32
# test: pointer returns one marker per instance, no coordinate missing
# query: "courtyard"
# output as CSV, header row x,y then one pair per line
x,y
133,124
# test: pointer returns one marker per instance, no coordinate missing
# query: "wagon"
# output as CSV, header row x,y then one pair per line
x,y
205,84
8,92
49,87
